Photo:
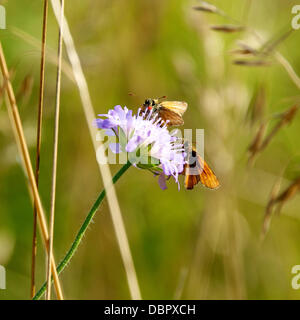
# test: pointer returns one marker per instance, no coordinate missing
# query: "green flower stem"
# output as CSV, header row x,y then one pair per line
x,y
82,230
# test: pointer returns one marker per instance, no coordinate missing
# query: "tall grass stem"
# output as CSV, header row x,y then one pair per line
x,y
38,143
55,150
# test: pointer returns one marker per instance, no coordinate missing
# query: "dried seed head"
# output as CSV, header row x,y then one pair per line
x,y
244,49
25,89
227,28
206,7
257,141
278,201
257,105
252,63
288,116
256,145
269,208
289,192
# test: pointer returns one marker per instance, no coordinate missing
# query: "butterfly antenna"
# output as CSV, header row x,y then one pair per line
x,y
162,98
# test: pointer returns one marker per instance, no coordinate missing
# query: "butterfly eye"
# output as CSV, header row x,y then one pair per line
x,y
147,102
153,103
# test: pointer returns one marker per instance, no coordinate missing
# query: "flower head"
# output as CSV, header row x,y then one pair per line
x,y
147,141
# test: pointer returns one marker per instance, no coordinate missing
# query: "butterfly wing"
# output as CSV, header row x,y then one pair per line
x,y
199,171
178,107
174,118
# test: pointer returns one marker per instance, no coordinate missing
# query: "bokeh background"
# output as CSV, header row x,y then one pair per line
x,y
198,244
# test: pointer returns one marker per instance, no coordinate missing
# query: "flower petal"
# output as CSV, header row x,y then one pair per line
x,y
162,181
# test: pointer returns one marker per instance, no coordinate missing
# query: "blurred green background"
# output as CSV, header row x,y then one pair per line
x,y
198,244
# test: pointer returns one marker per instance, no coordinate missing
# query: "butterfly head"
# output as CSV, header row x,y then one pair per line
x,y
150,104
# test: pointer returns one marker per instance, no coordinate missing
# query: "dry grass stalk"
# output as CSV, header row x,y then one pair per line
x,y
55,149
21,141
181,283
269,46
2,90
4,84
39,141
288,68
114,207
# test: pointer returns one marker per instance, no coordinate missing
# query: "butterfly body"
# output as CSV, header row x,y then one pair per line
x,y
197,170
169,111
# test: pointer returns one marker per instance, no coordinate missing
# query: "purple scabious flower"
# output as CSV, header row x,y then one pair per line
x,y
147,141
